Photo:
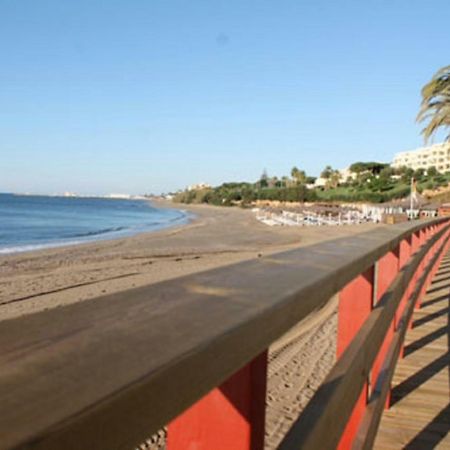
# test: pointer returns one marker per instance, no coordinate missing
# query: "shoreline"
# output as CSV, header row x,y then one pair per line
x,y
217,236
100,236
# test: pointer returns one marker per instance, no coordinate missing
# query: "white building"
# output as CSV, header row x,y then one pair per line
x,y
437,155
320,182
198,187
346,174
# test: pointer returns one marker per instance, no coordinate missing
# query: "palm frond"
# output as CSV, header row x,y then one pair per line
x,y
435,105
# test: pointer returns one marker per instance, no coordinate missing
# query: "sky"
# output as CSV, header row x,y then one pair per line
x,y
140,96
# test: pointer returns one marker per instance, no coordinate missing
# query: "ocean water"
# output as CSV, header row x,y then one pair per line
x,y
35,222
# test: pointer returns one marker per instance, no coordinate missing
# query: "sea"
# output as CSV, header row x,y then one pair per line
x,y
29,222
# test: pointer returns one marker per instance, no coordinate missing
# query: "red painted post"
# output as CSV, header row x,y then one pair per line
x,y
438,244
422,265
416,243
433,250
355,304
231,416
386,271
427,259
404,256
431,254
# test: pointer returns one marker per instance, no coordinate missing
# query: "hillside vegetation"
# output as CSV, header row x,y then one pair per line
x,y
368,182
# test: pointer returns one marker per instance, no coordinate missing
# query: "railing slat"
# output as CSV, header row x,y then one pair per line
x,y
355,305
231,416
387,270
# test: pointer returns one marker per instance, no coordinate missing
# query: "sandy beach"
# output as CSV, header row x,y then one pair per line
x,y
32,282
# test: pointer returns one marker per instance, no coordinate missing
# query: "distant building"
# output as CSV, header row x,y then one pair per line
x,y
119,196
437,155
346,175
320,182
198,187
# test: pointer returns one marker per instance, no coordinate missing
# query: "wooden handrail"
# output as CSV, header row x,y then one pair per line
x,y
108,372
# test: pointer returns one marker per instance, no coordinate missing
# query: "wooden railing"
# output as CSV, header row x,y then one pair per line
x,y
192,352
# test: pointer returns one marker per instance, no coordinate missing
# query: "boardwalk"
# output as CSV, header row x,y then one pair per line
x,y
420,414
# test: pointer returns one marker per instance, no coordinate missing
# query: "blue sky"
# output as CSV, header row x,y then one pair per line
x,y
150,95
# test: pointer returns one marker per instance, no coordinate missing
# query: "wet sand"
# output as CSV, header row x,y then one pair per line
x,y
39,280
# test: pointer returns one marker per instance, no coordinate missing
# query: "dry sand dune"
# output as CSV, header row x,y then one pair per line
x,y
32,282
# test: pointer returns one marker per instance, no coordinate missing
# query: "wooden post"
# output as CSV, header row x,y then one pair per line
x,y
423,264
428,259
416,243
386,270
431,253
355,305
231,416
403,258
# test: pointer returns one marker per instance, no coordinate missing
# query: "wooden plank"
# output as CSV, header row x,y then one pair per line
x,y
420,418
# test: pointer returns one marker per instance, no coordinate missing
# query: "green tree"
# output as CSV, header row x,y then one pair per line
x,y
357,167
332,176
374,167
419,174
285,181
432,171
299,176
264,179
400,170
407,174
327,172
386,173
334,179
435,106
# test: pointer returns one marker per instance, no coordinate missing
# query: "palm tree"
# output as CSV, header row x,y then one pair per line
x,y
435,107
298,175
327,172
334,179
286,181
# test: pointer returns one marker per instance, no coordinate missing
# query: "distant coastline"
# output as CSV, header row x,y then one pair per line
x,y
75,195
33,222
